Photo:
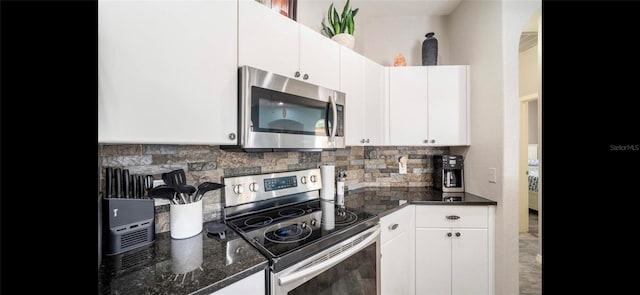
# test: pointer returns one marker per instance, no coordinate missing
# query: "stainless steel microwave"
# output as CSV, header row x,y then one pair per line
x,y
278,113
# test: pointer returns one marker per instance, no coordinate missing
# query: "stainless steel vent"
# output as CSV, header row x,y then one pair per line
x,y
528,40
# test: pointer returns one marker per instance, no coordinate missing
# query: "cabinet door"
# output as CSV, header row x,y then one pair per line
x,y
447,105
352,77
433,261
319,58
164,70
397,252
408,106
469,260
253,284
374,103
266,40
395,265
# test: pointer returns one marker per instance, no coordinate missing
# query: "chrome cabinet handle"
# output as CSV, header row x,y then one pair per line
x,y
297,74
433,141
426,141
448,234
393,226
362,140
305,77
457,234
232,136
367,140
453,217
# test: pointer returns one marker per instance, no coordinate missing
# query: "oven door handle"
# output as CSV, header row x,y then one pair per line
x,y
322,266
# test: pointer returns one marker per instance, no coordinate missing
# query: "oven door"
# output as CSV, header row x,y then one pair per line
x,y
349,267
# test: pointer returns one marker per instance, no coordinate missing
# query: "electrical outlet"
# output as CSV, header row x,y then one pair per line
x,y
492,175
402,165
402,168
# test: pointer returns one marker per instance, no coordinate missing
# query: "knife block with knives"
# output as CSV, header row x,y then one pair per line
x,y
128,211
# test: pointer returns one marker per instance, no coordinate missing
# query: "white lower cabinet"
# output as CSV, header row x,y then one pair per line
x,y
397,250
454,249
253,284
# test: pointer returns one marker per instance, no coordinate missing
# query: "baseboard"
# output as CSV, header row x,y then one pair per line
x,y
539,258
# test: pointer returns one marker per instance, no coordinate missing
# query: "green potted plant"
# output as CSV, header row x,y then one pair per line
x,y
341,26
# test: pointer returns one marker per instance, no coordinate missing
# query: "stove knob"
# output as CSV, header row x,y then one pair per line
x,y
303,180
303,225
238,189
254,187
313,222
313,178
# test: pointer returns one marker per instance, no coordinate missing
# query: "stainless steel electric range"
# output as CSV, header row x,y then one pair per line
x,y
314,246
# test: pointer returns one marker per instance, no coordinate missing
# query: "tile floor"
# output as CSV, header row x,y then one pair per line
x,y
530,270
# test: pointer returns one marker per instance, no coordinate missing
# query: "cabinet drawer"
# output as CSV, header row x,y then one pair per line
x,y
395,224
445,216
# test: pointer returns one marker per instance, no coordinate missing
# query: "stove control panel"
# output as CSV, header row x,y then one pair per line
x,y
271,184
251,188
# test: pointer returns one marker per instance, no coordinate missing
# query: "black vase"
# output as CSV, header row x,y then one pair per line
x,y
430,50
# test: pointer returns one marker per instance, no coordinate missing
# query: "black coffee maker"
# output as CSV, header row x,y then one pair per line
x,y
448,173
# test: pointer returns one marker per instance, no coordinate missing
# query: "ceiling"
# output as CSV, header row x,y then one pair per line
x,y
398,7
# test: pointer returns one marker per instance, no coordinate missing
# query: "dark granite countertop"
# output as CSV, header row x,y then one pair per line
x,y
385,200
197,265
202,264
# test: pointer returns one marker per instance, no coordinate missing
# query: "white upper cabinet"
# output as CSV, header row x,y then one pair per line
x,y
374,104
319,59
429,105
273,42
363,82
267,40
352,78
408,106
167,72
448,101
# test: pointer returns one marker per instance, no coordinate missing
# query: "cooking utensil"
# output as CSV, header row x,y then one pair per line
x,y
174,178
134,187
125,180
163,192
108,182
205,187
185,191
149,183
117,175
141,187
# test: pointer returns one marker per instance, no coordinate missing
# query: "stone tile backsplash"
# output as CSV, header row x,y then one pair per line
x,y
365,166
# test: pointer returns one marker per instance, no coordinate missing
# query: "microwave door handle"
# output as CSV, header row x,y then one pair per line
x,y
334,126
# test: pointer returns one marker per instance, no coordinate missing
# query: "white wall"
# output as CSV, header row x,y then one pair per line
x,y
529,71
382,38
485,35
385,37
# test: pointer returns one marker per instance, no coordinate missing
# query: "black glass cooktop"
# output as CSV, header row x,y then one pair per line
x,y
278,232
